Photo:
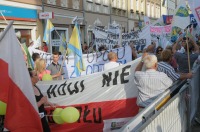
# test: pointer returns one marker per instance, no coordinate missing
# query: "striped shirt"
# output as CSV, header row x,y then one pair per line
x,y
169,70
150,84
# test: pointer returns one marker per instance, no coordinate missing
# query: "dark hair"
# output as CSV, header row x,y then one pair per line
x,y
166,55
44,43
35,56
30,72
157,49
56,53
184,38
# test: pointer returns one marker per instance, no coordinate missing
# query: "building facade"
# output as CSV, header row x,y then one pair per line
x,y
126,13
24,13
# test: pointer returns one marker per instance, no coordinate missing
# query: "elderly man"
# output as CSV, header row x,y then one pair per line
x,y
150,82
112,57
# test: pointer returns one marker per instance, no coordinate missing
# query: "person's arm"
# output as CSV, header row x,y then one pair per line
x,y
196,47
56,75
185,76
175,45
42,101
140,64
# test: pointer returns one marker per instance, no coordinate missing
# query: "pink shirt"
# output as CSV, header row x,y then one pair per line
x,y
44,72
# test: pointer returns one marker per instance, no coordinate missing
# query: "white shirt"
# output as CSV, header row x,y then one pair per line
x,y
111,65
150,84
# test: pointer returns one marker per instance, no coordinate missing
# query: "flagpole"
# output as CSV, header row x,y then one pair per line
x,y
17,39
4,18
188,53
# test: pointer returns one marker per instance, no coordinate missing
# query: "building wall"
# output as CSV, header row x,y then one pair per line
x,y
30,29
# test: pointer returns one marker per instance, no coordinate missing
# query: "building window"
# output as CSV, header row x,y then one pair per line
x,y
98,1
148,9
76,4
119,4
137,5
142,6
89,6
98,8
52,2
132,5
106,11
152,10
106,2
114,3
123,4
64,3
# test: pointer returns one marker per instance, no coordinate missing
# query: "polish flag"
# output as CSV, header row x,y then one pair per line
x,y
15,86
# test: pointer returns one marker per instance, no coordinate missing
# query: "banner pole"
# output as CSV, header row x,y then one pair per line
x,y
188,53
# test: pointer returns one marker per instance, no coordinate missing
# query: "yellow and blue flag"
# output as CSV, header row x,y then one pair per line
x,y
75,47
63,45
48,29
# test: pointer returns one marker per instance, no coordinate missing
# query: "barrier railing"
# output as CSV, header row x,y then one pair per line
x,y
174,110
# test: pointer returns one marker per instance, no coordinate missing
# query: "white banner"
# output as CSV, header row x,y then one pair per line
x,y
106,97
161,35
94,62
104,37
140,38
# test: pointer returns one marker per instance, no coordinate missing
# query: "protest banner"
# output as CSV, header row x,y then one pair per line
x,y
94,62
106,38
161,35
140,38
106,100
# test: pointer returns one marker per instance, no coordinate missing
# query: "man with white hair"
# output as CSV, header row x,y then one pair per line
x,y
150,83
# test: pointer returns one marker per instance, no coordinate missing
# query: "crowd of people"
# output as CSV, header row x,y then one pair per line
x,y
163,66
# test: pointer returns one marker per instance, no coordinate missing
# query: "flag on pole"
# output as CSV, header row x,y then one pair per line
x,y
48,29
195,7
16,87
181,17
29,58
37,43
75,47
63,45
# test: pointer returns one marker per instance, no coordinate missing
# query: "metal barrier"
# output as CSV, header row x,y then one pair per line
x,y
173,111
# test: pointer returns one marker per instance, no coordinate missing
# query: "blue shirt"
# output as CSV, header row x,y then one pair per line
x,y
169,70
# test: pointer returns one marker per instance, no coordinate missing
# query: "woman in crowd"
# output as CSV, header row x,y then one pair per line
x,y
41,100
40,68
159,50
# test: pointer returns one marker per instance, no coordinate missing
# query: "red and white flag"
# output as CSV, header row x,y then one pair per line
x,y
15,87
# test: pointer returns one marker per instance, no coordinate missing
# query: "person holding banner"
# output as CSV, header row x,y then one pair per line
x,y
150,83
55,68
112,57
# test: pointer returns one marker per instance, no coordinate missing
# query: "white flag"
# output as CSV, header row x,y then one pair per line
x,y
195,7
37,43
181,17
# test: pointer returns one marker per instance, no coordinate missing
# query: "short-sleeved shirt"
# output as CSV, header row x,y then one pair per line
x,y
151,84
169,70
111,65
55,68
182,61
